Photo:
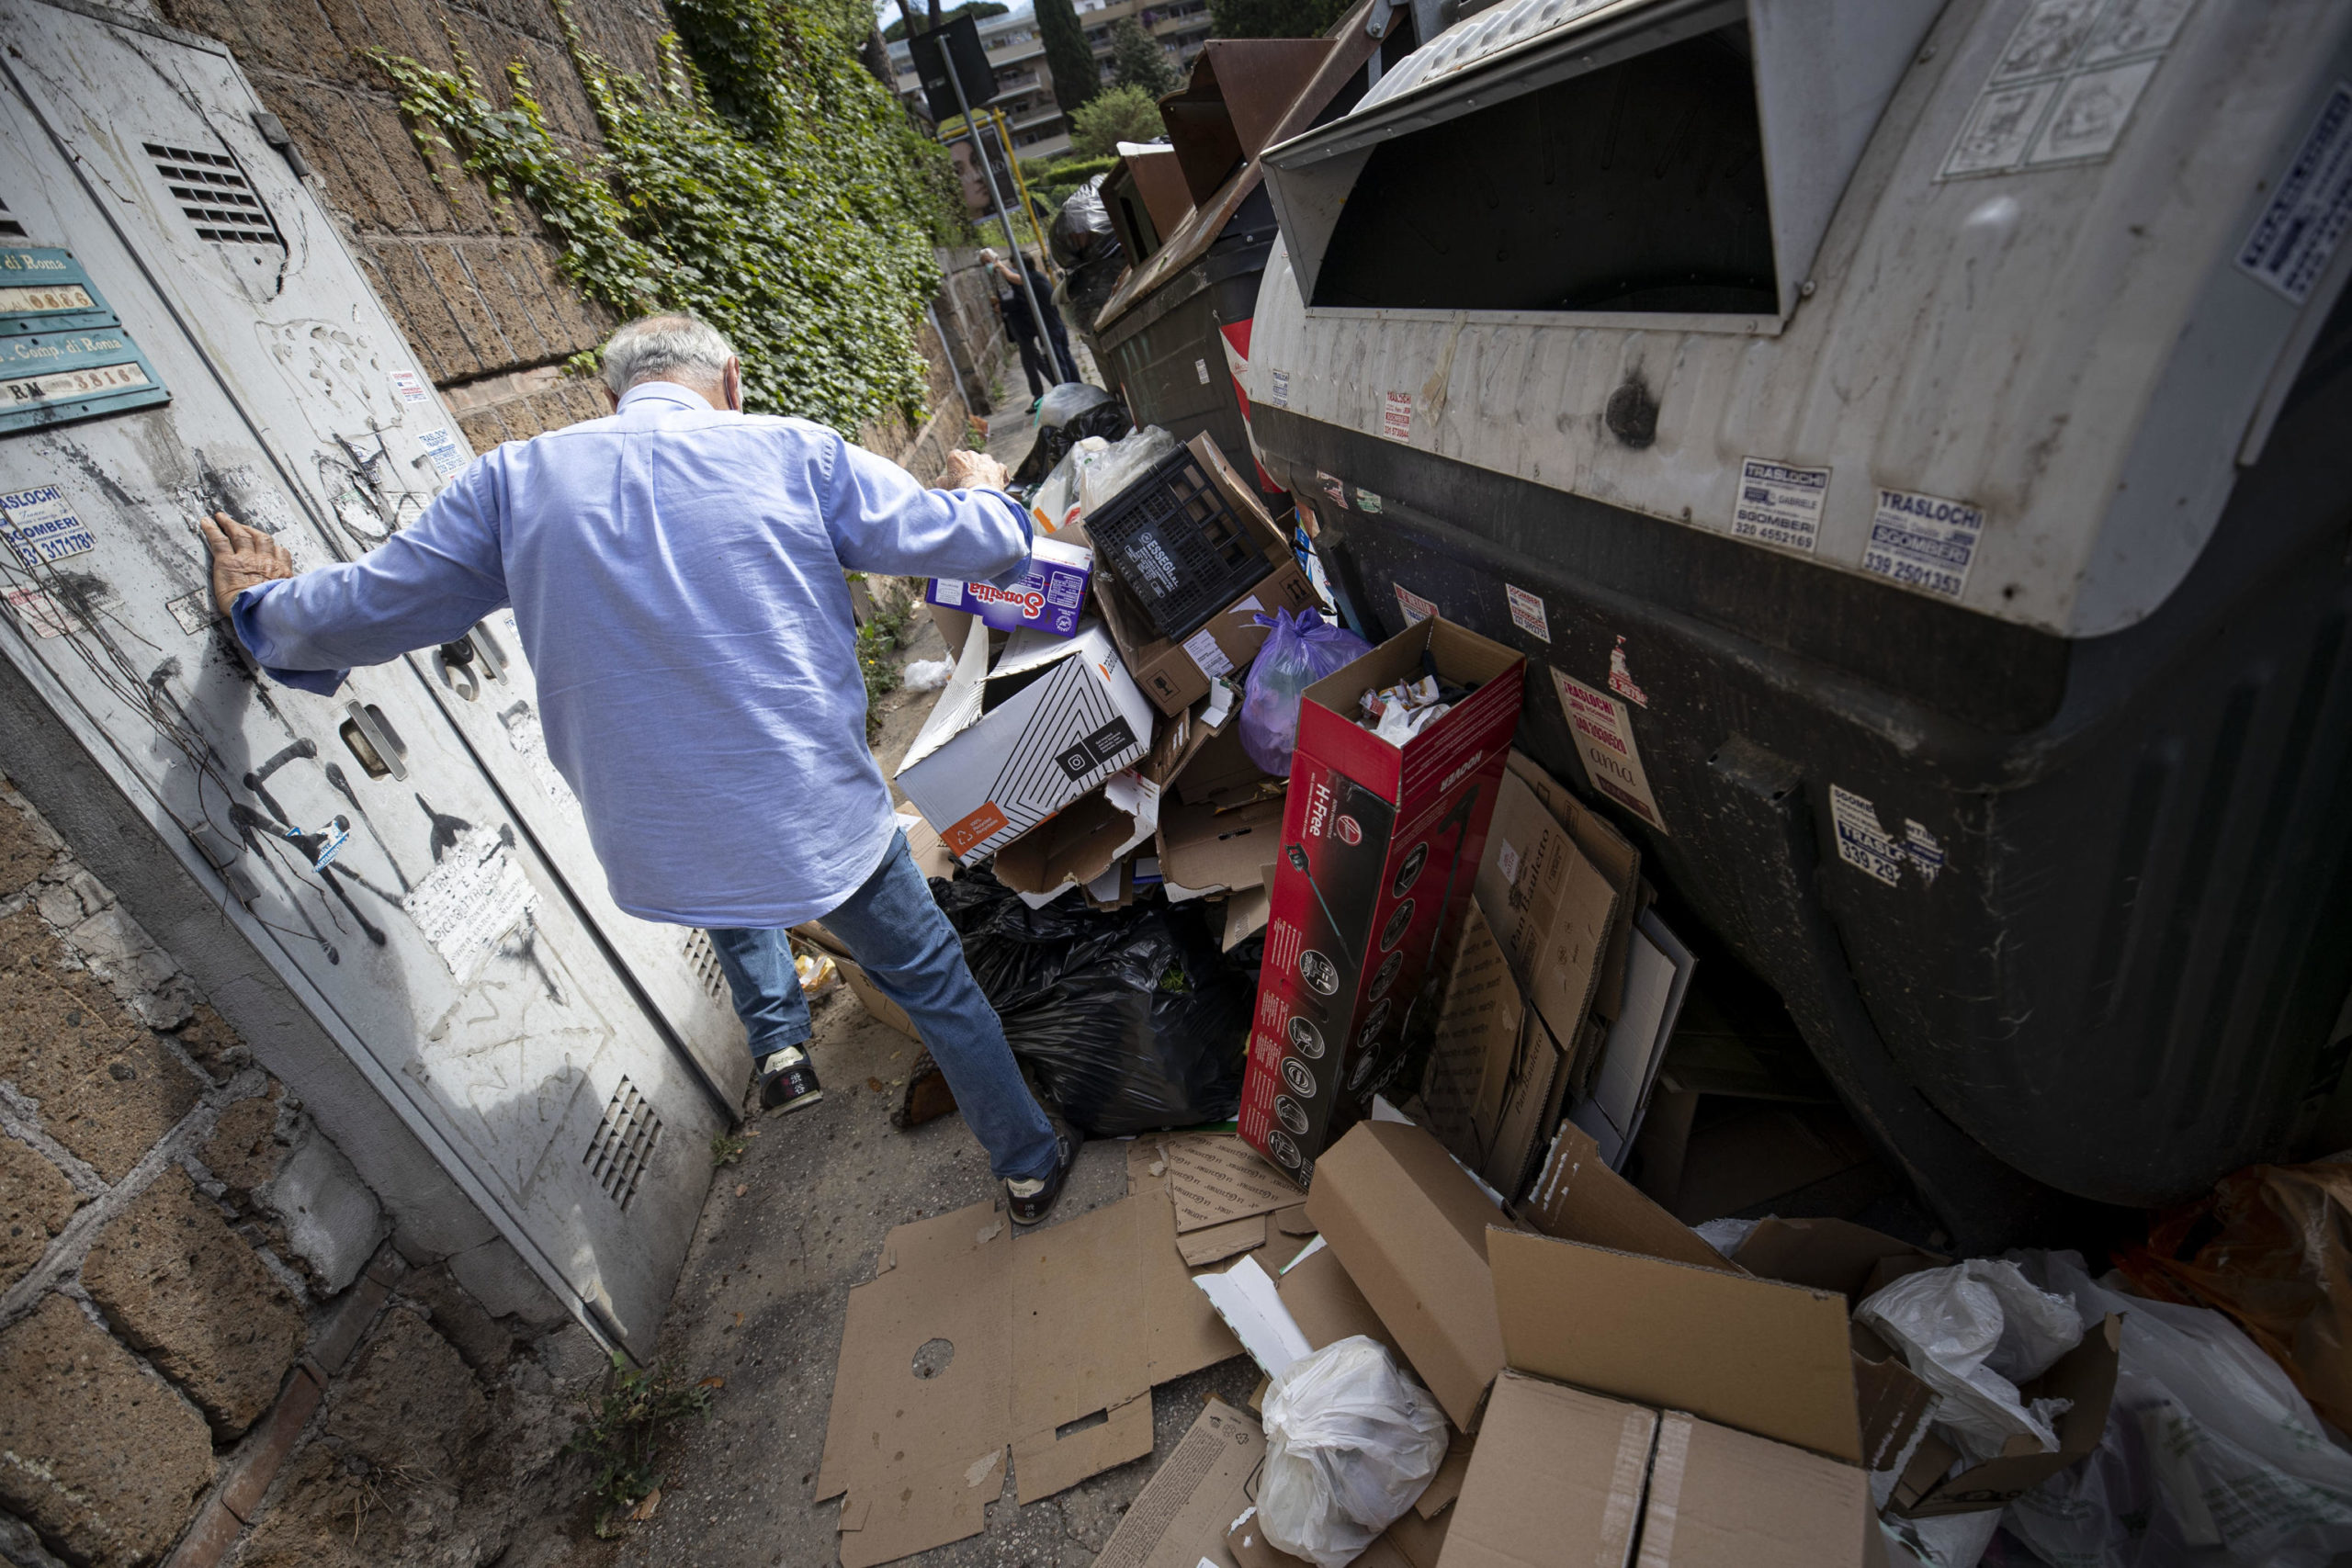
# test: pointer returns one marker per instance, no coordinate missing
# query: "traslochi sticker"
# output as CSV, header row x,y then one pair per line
x,y
1621,677
1281,398
1527,612
442,447
1923,541
1415,608
1779,503
1201,368
1396,415
41,527
1866,845
2297,234
1604,732
409,387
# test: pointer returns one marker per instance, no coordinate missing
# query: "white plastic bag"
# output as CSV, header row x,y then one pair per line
x,y
1127,460
2210,1457
1973,1332
1351,1442
927,674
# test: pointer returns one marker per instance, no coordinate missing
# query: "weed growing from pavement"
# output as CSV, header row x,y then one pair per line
x,y
623,1434
726,1149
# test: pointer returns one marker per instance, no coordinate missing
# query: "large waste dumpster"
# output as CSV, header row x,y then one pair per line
x,y
1174,336
1909,441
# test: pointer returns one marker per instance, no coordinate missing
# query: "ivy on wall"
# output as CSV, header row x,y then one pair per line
x,y
763,180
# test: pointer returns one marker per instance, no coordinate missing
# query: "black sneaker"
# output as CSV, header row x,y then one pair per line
x,y
787,1080
1031,1201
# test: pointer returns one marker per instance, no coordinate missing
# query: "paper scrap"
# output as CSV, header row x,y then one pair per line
x,y
470,899
1245,1298
1214,1176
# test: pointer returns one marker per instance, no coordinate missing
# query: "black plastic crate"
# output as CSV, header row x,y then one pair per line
x,y
1179,545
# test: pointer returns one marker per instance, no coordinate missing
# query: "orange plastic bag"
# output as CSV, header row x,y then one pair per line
x,y
2272,1247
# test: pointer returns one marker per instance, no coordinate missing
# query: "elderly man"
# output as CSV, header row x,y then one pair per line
x,y
676,573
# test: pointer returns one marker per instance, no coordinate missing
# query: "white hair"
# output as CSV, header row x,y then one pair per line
x,y
656,348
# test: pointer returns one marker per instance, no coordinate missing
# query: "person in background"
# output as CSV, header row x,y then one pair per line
x,y
1012,304
675,571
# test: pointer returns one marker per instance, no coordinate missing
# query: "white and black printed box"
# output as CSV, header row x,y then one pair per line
x,y
1012,742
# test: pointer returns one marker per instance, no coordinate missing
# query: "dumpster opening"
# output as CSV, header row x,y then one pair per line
x,y
1638,187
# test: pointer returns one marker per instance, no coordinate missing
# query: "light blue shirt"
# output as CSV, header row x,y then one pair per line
x,y
675,574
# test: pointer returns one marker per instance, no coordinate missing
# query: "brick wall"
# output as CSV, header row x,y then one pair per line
x,y
472,282
194,1284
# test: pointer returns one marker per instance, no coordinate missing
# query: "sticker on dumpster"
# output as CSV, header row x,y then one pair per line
x,y
409,387
1527,612
1201,368
1621,677
1604,732
1396,415
1331,485
2064,86
1925,851
1367,502
39,613
1861,842
1281,398
1779,503
1416,609
442,447
1923,541
2297,234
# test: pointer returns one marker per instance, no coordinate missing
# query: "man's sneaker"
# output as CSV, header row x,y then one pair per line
x,y
1031,1201
787,1081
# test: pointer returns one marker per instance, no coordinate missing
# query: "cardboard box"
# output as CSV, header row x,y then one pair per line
x,y
1610,853
2085,1374
879,1007
1202,850
1551,910
1007,747
1050,599
1175,675
1180,1518
1380,845
1657,976
1048,1328
1221,773
1411,1229
1714,1409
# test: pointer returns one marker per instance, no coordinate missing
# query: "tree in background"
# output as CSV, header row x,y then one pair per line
x,y
1137,60
1115,115
1069,58
1273,18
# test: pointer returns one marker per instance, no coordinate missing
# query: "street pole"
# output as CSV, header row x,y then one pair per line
x,y
988,173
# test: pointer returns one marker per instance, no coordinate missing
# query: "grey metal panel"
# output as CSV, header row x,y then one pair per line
x,y
304,348
501,1036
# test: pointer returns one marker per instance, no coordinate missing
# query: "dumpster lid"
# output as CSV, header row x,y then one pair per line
x,y
1822,71
1350,46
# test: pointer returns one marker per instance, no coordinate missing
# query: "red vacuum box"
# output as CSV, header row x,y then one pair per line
x,y
1380,845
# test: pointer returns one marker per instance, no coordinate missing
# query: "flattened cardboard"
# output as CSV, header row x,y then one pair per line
x,y
1657,976
1205,849
1612,854
1215,1178
1575,1197
1246,911
1047,1328
1213,1244
1550,908
1411,1229
1009,745
1721,1499
1556,1479
1180,1518
2085,1374
1890,1399
1766,1358
1495,1071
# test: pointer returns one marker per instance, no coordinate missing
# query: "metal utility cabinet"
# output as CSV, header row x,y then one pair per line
x,y
182,330
1908,439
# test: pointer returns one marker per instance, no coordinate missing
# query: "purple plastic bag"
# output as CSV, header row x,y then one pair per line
x,y
1299,653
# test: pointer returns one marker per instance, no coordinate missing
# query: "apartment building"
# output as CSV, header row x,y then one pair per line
x,y
1040,128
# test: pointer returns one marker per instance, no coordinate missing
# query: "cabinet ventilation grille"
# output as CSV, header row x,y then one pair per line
x,y
624,1144
703,962
212,192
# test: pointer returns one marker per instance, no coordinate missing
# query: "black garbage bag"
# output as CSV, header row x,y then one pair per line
x,y
1130,1020
1087,249
1065,415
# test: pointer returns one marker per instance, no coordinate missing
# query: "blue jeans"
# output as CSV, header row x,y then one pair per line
x,y
899,937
